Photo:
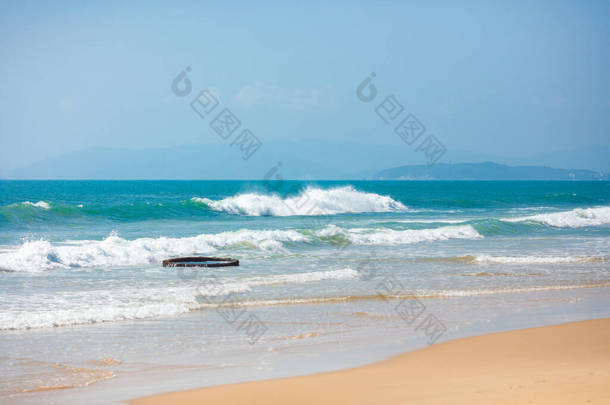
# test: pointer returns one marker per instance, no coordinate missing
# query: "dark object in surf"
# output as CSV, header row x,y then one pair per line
x,y
200,262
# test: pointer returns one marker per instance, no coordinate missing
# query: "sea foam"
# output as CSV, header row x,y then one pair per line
x,y
40,204
576,218
536,259
384,236
82,307
310,201
114,251
41,255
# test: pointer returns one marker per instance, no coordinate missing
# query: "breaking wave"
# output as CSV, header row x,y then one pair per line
x,y
310,201
114,251
384,236
576,218
40,204
40,255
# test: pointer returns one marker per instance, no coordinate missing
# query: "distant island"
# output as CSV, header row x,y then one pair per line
x,y
308,160
485,171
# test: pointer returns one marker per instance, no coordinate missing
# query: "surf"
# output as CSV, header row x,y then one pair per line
x,y
41,255
309,201
100,305
576,218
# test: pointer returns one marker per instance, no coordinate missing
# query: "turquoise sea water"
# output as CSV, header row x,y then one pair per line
x,y
324,267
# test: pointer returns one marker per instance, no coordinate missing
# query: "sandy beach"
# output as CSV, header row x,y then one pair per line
x,y
359,202
562,364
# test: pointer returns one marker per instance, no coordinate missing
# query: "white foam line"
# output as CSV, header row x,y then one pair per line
x,y
82,307
576,218
41,255
40,204
538,259
377,236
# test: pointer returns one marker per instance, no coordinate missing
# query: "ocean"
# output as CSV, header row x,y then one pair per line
x,y
332,274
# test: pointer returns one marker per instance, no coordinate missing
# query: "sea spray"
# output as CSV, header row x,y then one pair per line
x,y
310,201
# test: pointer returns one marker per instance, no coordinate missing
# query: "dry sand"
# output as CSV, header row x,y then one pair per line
x,y
563,364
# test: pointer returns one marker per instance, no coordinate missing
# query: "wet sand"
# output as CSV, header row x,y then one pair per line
x,y
562,364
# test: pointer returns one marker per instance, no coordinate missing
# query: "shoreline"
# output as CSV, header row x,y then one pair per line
x,y
565,363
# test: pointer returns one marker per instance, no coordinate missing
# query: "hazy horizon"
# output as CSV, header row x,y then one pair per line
x,y
282,160
511,81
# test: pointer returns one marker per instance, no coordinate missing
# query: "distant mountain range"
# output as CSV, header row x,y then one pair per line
x,y
303,159
486,171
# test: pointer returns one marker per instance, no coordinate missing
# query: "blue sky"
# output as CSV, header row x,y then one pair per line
x,y
505,78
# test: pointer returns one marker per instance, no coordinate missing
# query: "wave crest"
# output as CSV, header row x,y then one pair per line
x,y
40,255
40,204
576,218
377,236
310,201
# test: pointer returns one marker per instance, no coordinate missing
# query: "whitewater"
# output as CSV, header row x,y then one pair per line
x,y
324,268
309,201
86,252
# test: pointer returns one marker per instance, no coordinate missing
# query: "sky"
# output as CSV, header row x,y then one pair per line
x,y
505,78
